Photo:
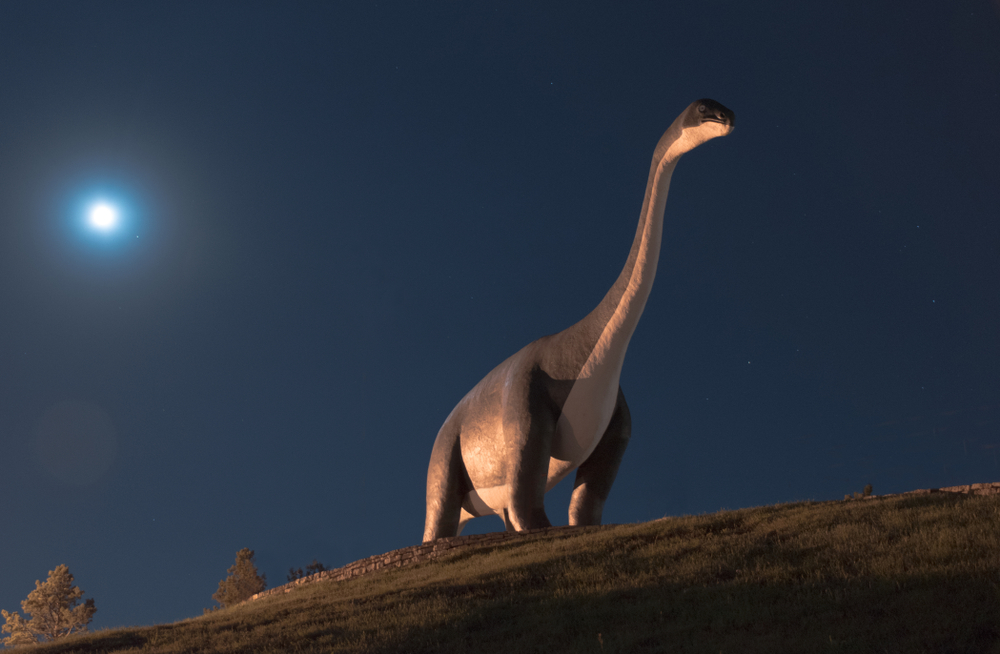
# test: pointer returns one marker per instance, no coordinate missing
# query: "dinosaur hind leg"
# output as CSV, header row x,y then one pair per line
x,y
444,485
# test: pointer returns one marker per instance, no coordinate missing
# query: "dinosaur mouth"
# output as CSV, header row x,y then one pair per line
x,y
726,122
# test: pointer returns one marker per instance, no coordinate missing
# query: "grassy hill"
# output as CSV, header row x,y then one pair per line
x,y
901,574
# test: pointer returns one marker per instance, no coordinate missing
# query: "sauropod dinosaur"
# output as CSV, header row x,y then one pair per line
x,y
555,406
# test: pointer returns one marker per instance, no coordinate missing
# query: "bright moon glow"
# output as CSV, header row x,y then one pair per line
x,y
103,216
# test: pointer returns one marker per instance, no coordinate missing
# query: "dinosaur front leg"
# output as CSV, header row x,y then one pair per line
x,y
529,425
595,476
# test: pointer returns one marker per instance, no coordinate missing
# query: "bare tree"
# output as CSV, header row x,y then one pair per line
x,y
53,609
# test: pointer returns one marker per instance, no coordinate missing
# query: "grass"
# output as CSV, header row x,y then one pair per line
x,y
904,574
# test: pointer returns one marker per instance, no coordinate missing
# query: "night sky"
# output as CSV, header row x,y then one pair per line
x,y
334,221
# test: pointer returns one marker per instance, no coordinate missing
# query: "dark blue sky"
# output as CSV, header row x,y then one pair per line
x,y
339,220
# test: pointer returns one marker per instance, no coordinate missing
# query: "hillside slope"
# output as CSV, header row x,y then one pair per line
x,y
900,574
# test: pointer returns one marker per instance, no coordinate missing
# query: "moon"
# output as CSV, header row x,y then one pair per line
x,y
103,216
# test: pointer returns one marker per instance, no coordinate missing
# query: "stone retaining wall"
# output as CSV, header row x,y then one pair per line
x,y
425,552
967,489
442,546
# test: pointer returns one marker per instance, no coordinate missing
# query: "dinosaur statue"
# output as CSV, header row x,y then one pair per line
x,y
555,406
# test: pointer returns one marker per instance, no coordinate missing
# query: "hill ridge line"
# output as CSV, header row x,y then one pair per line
x,y
430,551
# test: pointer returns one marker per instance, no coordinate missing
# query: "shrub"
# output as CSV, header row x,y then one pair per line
x,y
311,569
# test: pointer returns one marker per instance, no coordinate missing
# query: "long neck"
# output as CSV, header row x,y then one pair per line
x,y
602,337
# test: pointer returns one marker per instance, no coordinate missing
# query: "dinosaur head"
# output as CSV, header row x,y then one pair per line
x,y
703,121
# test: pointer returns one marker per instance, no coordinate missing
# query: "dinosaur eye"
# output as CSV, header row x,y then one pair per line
x,y
701,109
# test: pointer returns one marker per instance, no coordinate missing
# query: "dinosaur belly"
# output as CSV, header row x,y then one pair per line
x,y
486,501
584,418
582,422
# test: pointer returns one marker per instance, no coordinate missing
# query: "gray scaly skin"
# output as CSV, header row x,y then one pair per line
x,y
556,406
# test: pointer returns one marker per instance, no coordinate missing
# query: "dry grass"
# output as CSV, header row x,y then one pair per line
x,y
907,574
